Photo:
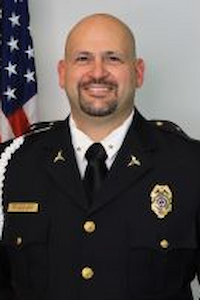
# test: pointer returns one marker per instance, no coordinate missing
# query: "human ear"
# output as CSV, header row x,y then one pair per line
x,y
139,71
61,73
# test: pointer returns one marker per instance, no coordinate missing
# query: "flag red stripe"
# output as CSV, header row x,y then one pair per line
x,y
19,122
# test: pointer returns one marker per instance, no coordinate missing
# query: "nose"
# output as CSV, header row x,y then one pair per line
x,y
99,69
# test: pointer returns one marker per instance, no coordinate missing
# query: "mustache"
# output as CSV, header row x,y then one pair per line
x,y
110,84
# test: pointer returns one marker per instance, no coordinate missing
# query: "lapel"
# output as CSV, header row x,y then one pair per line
x,y
61,163
134,160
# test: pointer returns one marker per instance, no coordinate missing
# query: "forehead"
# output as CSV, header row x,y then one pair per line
x,y
99,35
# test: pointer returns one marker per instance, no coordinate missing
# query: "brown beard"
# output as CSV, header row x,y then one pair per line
x,y
88,108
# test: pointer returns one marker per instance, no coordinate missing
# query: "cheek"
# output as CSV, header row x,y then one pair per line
x,y
74,77
71,81
126,80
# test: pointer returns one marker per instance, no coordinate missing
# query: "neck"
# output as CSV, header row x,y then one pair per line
x,y
98,128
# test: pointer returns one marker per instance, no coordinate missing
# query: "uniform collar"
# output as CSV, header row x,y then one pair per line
x,y
112,143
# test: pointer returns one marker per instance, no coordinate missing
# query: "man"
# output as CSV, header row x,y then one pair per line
x,y
71,234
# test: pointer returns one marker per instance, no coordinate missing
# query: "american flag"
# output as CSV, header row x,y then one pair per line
x,y
18,87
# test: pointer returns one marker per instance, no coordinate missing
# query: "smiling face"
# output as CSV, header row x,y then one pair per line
x,y
100,72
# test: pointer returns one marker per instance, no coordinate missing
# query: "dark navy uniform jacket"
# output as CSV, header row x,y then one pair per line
x,y
139,241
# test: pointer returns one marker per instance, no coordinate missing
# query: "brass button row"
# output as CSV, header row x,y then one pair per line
x,y
87,272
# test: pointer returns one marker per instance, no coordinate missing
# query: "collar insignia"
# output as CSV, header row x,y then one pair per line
x,y
59,156
134,162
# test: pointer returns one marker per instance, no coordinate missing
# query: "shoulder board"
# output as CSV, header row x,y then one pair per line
x,y
169,126
41,127
9,147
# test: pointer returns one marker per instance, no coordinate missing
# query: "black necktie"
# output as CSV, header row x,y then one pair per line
x,y
96,169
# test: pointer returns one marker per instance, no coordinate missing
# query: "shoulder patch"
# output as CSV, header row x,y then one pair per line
x,y
169,126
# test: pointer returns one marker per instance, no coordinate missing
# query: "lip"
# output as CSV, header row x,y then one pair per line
x,y
99,87
98,90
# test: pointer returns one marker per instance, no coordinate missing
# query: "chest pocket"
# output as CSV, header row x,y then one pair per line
x,y
21,230
163,255
25,239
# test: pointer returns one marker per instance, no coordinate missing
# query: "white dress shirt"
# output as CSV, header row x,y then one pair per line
x,y
112,143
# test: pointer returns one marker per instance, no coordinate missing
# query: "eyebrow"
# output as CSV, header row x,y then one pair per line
x,y
82,53
113,52
107,52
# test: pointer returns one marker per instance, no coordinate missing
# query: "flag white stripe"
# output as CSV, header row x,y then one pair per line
x,y
5,128
31,110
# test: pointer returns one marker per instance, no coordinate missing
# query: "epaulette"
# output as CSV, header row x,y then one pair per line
x,y
169,126
40,127
32,130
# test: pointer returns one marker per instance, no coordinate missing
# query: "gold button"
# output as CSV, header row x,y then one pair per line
x,y
159,123
87,273
89,226
164,244
19,241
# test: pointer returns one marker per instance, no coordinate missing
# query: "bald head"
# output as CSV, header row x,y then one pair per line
x,y
100,72
99,24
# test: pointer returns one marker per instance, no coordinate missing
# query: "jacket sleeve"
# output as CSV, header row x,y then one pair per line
x,y
6,291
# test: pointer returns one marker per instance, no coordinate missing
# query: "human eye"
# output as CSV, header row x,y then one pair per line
x,y
114,58
83,58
